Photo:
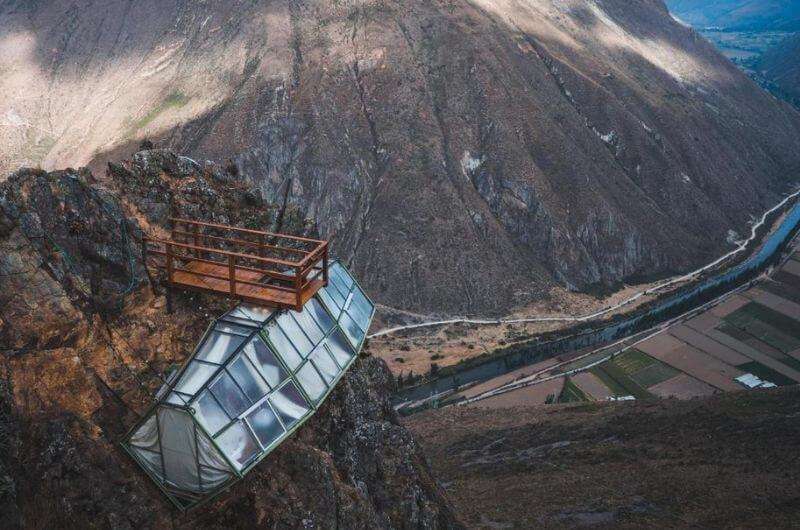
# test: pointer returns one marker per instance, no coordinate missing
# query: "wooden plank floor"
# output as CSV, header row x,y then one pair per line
x,y
261,295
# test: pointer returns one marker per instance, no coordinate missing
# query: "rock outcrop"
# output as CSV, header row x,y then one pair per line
x,y
83,341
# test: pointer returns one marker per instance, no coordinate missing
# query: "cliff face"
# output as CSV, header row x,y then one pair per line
x,y
463,155
83,340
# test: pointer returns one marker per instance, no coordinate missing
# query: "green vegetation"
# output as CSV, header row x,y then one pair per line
x,y
175,100
631,361
785,291
654,374
791,362
571,393
770,326
643,369
619,382
36,147
766,373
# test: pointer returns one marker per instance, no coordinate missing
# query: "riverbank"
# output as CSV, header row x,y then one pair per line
x,y
594,334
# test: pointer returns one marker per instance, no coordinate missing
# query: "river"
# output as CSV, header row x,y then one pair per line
x,y
534,351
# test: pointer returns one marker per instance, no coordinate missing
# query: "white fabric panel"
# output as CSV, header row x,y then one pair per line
x,y
178,448
212,464
209,455
177,429
146,436
213,478
150,460
180,470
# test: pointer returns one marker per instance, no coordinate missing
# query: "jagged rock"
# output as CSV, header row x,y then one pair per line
x,y
74,377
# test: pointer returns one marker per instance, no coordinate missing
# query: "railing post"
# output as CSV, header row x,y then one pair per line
x,y
325,264
298,288
146,269
232,273
170,266
195,229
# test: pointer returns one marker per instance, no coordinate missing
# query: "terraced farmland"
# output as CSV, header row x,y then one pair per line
x,y
748,340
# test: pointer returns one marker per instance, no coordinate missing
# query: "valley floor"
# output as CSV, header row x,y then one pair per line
x,y
413,344
729,460
750,339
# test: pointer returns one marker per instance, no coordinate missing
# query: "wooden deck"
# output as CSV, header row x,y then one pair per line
x,y
208,277
257,267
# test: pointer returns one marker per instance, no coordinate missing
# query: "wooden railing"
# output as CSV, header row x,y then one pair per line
x,y
257,266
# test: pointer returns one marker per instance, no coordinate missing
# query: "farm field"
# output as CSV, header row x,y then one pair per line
x,y
750,339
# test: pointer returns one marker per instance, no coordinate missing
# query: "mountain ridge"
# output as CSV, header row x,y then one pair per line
x,y
463,157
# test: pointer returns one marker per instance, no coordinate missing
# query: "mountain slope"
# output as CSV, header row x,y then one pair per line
x,y
719,462
780,67
744,15
464,156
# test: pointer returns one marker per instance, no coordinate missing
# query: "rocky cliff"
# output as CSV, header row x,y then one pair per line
x,y
462,155
84,339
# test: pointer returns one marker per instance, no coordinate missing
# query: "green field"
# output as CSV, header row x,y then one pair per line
x,y
767,325
643,369
174,100
619,382
784,290
791,362
631,361
766,373
654,374
571,393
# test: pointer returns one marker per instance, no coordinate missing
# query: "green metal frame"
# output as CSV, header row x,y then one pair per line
x,y
259,329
